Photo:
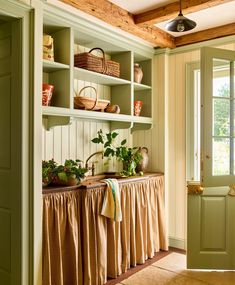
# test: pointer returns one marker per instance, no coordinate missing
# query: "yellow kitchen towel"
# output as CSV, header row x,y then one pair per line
x,y
111,207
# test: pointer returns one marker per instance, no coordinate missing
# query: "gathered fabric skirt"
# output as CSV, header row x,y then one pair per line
x,y
81,247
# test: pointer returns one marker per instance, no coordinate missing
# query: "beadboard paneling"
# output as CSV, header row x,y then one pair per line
x,y
167,145
74,142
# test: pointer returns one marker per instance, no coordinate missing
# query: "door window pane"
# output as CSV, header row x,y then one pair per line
x,y
233,102
233,157
221,78
221,156
221,117
233,81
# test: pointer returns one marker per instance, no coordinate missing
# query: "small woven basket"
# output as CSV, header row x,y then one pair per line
x,y
98,64
88,103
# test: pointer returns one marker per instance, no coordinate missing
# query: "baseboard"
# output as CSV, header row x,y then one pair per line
x,y
177,243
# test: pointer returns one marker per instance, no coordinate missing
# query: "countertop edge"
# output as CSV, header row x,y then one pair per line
x,y
86,185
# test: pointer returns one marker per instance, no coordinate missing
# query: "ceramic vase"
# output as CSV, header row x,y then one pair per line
x,y
142,166
138,73
47,91
137,107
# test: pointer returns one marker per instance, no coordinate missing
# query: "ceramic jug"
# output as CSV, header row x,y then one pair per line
x,y
142,166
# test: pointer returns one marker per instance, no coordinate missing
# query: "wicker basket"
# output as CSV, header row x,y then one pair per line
x,y
98,64
88,103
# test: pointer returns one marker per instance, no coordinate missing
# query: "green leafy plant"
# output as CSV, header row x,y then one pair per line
x,y
68,173
130,156
48,168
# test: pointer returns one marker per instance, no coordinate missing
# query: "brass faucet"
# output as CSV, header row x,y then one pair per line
x,y
93,163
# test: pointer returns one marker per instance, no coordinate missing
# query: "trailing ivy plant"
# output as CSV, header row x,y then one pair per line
x,y
130,156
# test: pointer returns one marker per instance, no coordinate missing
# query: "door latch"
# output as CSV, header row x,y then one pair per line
x,y
194,187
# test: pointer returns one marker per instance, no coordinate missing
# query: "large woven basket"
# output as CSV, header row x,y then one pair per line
x,y
89,61
88,103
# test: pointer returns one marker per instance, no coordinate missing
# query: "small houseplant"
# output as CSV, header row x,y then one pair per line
x,y
48,168
130,156
70,173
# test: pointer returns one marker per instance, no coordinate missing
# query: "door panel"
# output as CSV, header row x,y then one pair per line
x,y
211,230
213,220
4,195
10,157
5,121
5,151
5,244
211,227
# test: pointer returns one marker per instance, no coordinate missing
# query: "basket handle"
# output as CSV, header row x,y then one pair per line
x,y
96,96
103,57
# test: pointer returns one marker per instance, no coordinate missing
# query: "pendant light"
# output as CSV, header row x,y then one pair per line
x,y
180,23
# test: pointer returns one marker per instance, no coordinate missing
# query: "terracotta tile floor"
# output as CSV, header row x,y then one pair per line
x,y
171,270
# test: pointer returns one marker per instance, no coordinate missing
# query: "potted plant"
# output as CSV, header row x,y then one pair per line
x,y
130,156
70,173
48,171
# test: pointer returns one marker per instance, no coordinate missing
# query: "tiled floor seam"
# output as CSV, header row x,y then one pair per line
x,y
185,275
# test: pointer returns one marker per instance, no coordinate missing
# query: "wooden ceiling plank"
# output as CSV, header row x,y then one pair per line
x,y
170,11
120,18
209,34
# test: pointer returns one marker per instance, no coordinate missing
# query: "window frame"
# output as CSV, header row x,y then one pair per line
x,y
207,56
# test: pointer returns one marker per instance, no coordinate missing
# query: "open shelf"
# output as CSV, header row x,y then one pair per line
x,y
85,114
67,79
142,120
93,115
99,78
52,66
138,87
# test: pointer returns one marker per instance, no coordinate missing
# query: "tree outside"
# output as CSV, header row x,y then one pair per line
x,y
221,129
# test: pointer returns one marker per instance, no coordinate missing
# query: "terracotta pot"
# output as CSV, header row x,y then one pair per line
x,y
138,73
137,107
142,166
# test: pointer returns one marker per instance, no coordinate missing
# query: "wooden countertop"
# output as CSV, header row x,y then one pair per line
x,y
96,181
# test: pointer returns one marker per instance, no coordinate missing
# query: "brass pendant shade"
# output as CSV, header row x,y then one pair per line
x,y
180,23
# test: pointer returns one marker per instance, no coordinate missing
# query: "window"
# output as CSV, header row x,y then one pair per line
x,y
223,118
211,118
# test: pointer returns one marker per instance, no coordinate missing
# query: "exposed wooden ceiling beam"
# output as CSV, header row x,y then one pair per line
x,y
209,34
170,11
118,17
